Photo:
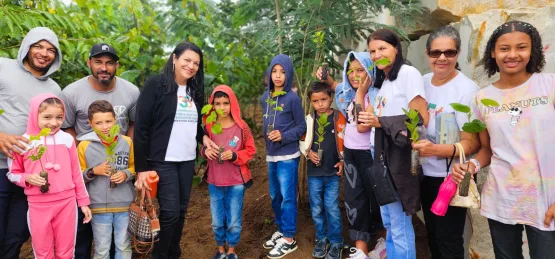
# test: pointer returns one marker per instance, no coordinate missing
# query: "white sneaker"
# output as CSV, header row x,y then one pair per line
x,y
282,248
356,253
272,241
379,251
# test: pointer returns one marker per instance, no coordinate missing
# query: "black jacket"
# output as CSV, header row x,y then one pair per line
x,y
153,124
397,149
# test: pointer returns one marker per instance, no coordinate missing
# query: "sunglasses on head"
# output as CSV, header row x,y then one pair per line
x,y
448,53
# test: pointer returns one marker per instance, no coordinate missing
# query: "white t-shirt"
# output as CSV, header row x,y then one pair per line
x,y
521,184
445,124
183,143
396,95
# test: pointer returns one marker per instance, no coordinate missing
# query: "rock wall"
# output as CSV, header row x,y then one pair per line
x,y
475,30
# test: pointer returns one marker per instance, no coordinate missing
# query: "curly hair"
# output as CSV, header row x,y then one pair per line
x,y
537,59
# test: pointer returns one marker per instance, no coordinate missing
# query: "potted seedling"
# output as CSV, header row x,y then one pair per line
x,y
36,155
273,104
474,126
110,141
415,128
320,132
220,151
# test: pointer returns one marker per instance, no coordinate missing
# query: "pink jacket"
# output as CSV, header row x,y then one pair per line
x,y
67,181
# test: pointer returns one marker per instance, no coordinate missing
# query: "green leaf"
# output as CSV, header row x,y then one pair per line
x,y
474,126
217,129
211,118
206,109
134,48
278,93
383,62
278,108
489,102
220,112
1,111
44,132
114,131
460,107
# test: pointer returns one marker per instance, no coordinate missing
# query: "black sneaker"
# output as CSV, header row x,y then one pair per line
x,y
282,248
220,255
335,252
321,248
272,241
232,256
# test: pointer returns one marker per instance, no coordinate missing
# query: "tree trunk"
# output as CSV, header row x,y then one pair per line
x,y
280,43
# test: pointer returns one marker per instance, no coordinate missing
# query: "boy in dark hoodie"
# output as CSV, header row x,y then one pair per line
x,y
227,180
284,126
110,206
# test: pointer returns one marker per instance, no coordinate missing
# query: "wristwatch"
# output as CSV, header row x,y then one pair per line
x,y
476,165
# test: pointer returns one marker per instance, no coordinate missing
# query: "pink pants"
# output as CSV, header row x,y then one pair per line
x,y
53,224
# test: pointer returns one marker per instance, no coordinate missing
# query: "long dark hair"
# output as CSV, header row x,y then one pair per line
x,y
390,37
537,58
195,85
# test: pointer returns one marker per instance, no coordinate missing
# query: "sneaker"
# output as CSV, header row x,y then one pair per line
x,y
282,248
232,256
379,251
272,242
356,253
220,255
321,248
335,252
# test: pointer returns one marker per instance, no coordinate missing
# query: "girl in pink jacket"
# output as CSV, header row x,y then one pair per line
x,y
52,215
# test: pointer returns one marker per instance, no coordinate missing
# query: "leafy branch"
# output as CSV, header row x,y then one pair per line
x,y
473,127
212,118
111,144
37,155
383,61
320,132
273,103
412,124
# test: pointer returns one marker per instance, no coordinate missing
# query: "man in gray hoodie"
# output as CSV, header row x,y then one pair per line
x,y
20,79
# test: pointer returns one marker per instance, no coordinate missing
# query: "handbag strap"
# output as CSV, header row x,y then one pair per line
x,y
462,156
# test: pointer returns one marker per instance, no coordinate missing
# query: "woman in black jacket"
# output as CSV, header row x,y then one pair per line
x,y
167,131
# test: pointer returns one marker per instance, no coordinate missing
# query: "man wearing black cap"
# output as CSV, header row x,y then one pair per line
x,y
78,96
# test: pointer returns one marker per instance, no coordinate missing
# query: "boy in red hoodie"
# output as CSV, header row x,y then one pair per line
x,y
227,181
52,215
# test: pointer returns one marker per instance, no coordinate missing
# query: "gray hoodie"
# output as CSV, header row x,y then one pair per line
x,y
92,152
18,85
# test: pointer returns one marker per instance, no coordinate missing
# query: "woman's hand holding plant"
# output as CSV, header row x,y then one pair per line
x,y
424,147
459,170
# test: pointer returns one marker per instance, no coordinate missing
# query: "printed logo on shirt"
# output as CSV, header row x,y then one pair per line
x,y
233,141
381,101
544,100
516,114
185,101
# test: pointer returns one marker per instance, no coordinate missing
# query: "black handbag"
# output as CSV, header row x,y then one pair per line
x,y
380,176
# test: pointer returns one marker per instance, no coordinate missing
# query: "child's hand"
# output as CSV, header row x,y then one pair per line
x,y
313,157
118,177
339,165
102,169
35,179
275,136
227,155
211,154
88,214
549,215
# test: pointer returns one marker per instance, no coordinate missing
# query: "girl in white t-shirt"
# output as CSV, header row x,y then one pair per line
x,y
445,85
401,86
519,192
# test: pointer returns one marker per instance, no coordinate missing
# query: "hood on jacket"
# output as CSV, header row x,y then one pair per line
x,y
365,60
287,64
233,103
33,121
33,36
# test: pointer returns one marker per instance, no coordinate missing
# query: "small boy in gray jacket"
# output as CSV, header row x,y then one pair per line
x,y
109,204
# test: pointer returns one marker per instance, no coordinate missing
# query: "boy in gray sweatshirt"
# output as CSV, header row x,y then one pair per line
x,y
109,204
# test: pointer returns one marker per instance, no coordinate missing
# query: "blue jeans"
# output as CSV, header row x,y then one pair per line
x,y
283,192
226,207
324,204
102,225
399,242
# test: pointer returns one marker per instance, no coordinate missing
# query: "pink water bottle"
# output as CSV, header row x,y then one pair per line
x,y
446,191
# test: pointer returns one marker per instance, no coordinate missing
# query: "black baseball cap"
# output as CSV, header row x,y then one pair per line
x,y
103,48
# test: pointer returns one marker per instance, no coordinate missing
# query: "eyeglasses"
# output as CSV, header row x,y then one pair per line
x,y
448,53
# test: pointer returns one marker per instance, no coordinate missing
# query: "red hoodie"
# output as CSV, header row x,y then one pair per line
x,y
60,151
249,150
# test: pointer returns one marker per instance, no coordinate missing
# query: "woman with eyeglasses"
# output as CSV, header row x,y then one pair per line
x,y
443,86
